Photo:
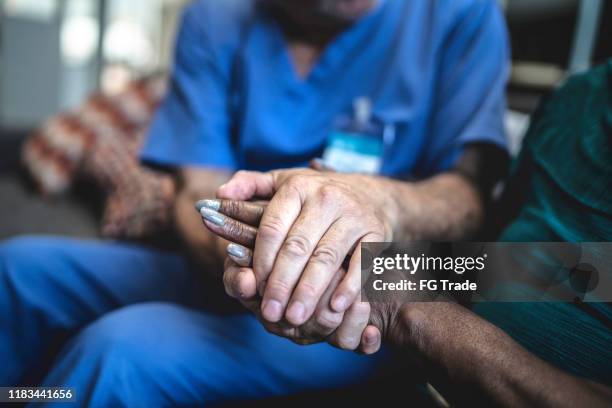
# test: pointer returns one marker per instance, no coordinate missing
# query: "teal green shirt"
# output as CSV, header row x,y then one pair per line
x,y
565,172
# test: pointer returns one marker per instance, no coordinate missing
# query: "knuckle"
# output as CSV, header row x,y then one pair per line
x,y
297,245
234,207
352,289
297,182
329,194
326,255
307,290
271,229
234,229
354,208
278,288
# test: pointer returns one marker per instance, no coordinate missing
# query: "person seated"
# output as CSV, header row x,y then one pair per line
x,y
507,354
259,86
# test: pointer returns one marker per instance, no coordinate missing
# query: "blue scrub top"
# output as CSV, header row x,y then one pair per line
x,y
434,69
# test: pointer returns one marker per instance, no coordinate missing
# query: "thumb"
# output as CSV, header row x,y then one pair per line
x,y
247,185
370,340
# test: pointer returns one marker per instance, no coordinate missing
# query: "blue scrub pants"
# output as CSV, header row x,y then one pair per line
x,y
130,326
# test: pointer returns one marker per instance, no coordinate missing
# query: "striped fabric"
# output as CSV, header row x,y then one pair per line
x,y
98,143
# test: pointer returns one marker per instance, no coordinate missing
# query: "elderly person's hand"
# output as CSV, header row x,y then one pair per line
x,y
313,222
237,222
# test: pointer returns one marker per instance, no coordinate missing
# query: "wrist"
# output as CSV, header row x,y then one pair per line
x,y
455,343
394,198
384,195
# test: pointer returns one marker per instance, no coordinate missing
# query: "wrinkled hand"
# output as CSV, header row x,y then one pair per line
x,y
313,222
342,329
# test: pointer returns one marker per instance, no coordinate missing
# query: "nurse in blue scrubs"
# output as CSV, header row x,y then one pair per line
x,y
255,86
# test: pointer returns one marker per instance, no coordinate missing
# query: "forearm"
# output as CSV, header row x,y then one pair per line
x,y
444,207
449,206
482,363
202,245
511,376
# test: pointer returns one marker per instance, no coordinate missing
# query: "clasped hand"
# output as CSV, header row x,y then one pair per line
x,y
296,261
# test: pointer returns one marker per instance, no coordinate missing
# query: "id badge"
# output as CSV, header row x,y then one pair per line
x,y
354,153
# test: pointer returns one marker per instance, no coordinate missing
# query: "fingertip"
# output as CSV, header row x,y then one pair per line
x,y
240,254
213,217
371,340
240,282
371,334
246,284
214,205
296,313
272,310
236,250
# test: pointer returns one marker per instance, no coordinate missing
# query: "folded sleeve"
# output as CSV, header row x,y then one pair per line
x,y
470,92
192,124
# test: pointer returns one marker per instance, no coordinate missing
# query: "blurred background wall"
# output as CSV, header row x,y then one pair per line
x,y
53,53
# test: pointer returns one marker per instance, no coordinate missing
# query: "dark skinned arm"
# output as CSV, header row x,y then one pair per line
x,y
205,247
474,361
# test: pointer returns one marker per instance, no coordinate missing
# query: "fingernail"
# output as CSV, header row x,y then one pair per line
x,y
371,339
340,304
212,216
244,262
237,250
272,310
296,313
214,205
